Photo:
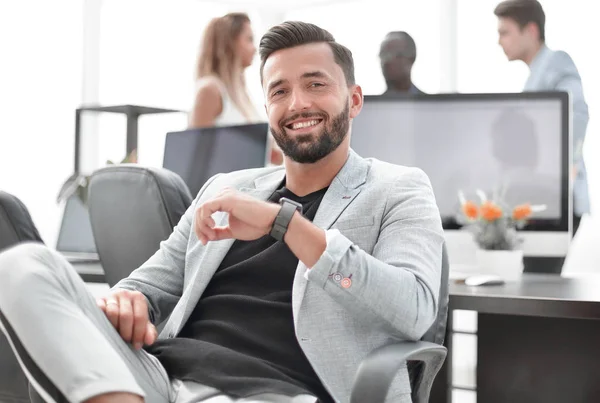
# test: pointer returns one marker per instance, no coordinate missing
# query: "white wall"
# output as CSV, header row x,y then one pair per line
x,y
40,78
147,53
362,25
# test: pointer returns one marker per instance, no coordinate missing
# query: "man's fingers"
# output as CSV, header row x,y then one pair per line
x,y
140,320
101,302
209,222
151,334
222,233
220,203
112,310
207,226
125,317
201,233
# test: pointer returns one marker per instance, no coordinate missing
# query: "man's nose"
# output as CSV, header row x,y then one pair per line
x,y
299,101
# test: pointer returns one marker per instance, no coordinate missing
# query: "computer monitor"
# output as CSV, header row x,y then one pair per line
x,y
75,238
198,154
517,142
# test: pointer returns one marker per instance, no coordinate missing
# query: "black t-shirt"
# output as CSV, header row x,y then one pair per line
x,y
240,338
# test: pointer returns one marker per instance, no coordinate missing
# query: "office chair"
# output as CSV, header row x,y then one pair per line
x,y
425,357
16,226
132,209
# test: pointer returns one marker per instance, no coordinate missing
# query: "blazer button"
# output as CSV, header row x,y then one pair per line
x,y
337,277
346,283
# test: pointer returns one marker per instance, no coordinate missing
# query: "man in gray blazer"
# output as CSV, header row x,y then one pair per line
x,y
275,284
521,27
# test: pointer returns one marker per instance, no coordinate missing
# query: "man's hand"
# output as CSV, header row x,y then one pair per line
x,y
128,313
249,218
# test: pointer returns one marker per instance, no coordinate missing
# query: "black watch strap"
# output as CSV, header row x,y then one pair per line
x,y
282,221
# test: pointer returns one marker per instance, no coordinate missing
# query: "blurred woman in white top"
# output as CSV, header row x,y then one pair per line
x,y
222,99
221,96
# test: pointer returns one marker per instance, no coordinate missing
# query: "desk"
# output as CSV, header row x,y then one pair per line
x,y
90,272
537,341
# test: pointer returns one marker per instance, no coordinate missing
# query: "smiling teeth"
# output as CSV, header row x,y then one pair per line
x,y
300,125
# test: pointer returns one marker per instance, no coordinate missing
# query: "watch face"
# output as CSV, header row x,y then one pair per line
x,y
286,200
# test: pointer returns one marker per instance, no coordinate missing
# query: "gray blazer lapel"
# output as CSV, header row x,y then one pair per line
x,y
345,187
215,251
342,191
265,185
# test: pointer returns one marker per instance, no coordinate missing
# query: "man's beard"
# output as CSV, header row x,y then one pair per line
x,y
310,148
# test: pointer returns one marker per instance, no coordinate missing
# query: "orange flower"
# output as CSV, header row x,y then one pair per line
x,y
522,212
470,210
490,211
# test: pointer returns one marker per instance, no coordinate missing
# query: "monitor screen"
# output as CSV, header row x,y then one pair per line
x,y
511,144
75,235
198,154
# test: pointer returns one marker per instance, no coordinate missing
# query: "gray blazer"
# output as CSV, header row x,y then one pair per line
x,y
556,71
389,243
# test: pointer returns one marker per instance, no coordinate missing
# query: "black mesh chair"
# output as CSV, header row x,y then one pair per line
x,y
132,209
16,226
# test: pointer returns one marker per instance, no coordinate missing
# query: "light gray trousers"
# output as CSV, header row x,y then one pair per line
x,y
56,320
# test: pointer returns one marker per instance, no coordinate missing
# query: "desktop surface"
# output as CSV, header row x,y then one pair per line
x,y
537,340
534,295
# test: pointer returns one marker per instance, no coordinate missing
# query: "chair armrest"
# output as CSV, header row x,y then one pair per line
x,y
376,373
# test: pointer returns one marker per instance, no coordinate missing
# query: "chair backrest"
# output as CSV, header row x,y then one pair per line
x,y
132,209
16,224
437,331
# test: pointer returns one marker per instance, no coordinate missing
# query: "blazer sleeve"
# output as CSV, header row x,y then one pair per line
x,y
161,277
567,79
398,285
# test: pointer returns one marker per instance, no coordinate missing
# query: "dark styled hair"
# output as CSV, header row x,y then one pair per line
x,y
523,12
295,33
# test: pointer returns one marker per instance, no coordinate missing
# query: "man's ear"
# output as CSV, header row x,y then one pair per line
x,y
356,100
532,29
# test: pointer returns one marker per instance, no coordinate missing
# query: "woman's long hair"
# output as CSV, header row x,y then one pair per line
x,y
218,57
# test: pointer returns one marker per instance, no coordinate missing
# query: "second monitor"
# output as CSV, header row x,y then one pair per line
x,y
198,154
516,142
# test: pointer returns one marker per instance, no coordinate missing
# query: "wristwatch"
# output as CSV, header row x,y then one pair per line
x,y
282,221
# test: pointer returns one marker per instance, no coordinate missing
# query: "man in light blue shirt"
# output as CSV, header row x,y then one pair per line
x,y
522,37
